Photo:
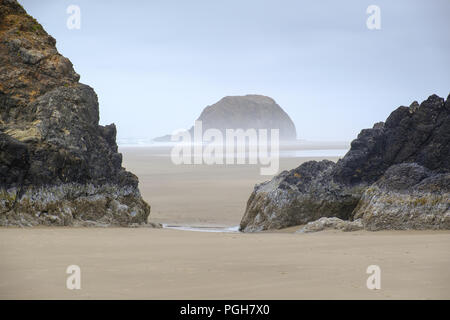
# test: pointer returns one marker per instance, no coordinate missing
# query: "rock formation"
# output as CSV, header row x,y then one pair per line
x,y
246,112
299,196
58,166
331,223
395,176
407,196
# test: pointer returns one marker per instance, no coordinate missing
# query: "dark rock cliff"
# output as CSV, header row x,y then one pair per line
x,y
57,164
353,188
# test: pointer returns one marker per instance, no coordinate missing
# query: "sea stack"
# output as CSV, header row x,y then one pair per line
x,y
58,166
396,175
246,112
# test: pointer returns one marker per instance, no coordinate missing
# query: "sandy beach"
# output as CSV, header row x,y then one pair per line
x,y
104,195
169,264
198,194
145,263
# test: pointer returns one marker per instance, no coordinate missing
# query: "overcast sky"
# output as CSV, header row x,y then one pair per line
x,y
156,64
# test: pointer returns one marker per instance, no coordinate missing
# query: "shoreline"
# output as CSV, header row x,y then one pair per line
x,y
232,229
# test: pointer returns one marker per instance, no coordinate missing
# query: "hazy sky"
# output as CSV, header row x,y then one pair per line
x,y
156,64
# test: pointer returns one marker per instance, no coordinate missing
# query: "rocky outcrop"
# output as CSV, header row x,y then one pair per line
x,y
246,112
407,196
58,166
353,187
332,223
418,133
299,196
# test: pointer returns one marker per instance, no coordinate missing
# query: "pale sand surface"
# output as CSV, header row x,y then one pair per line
x,y
148,263
196,194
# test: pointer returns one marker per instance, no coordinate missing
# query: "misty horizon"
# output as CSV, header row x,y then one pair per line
x,y
156,66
